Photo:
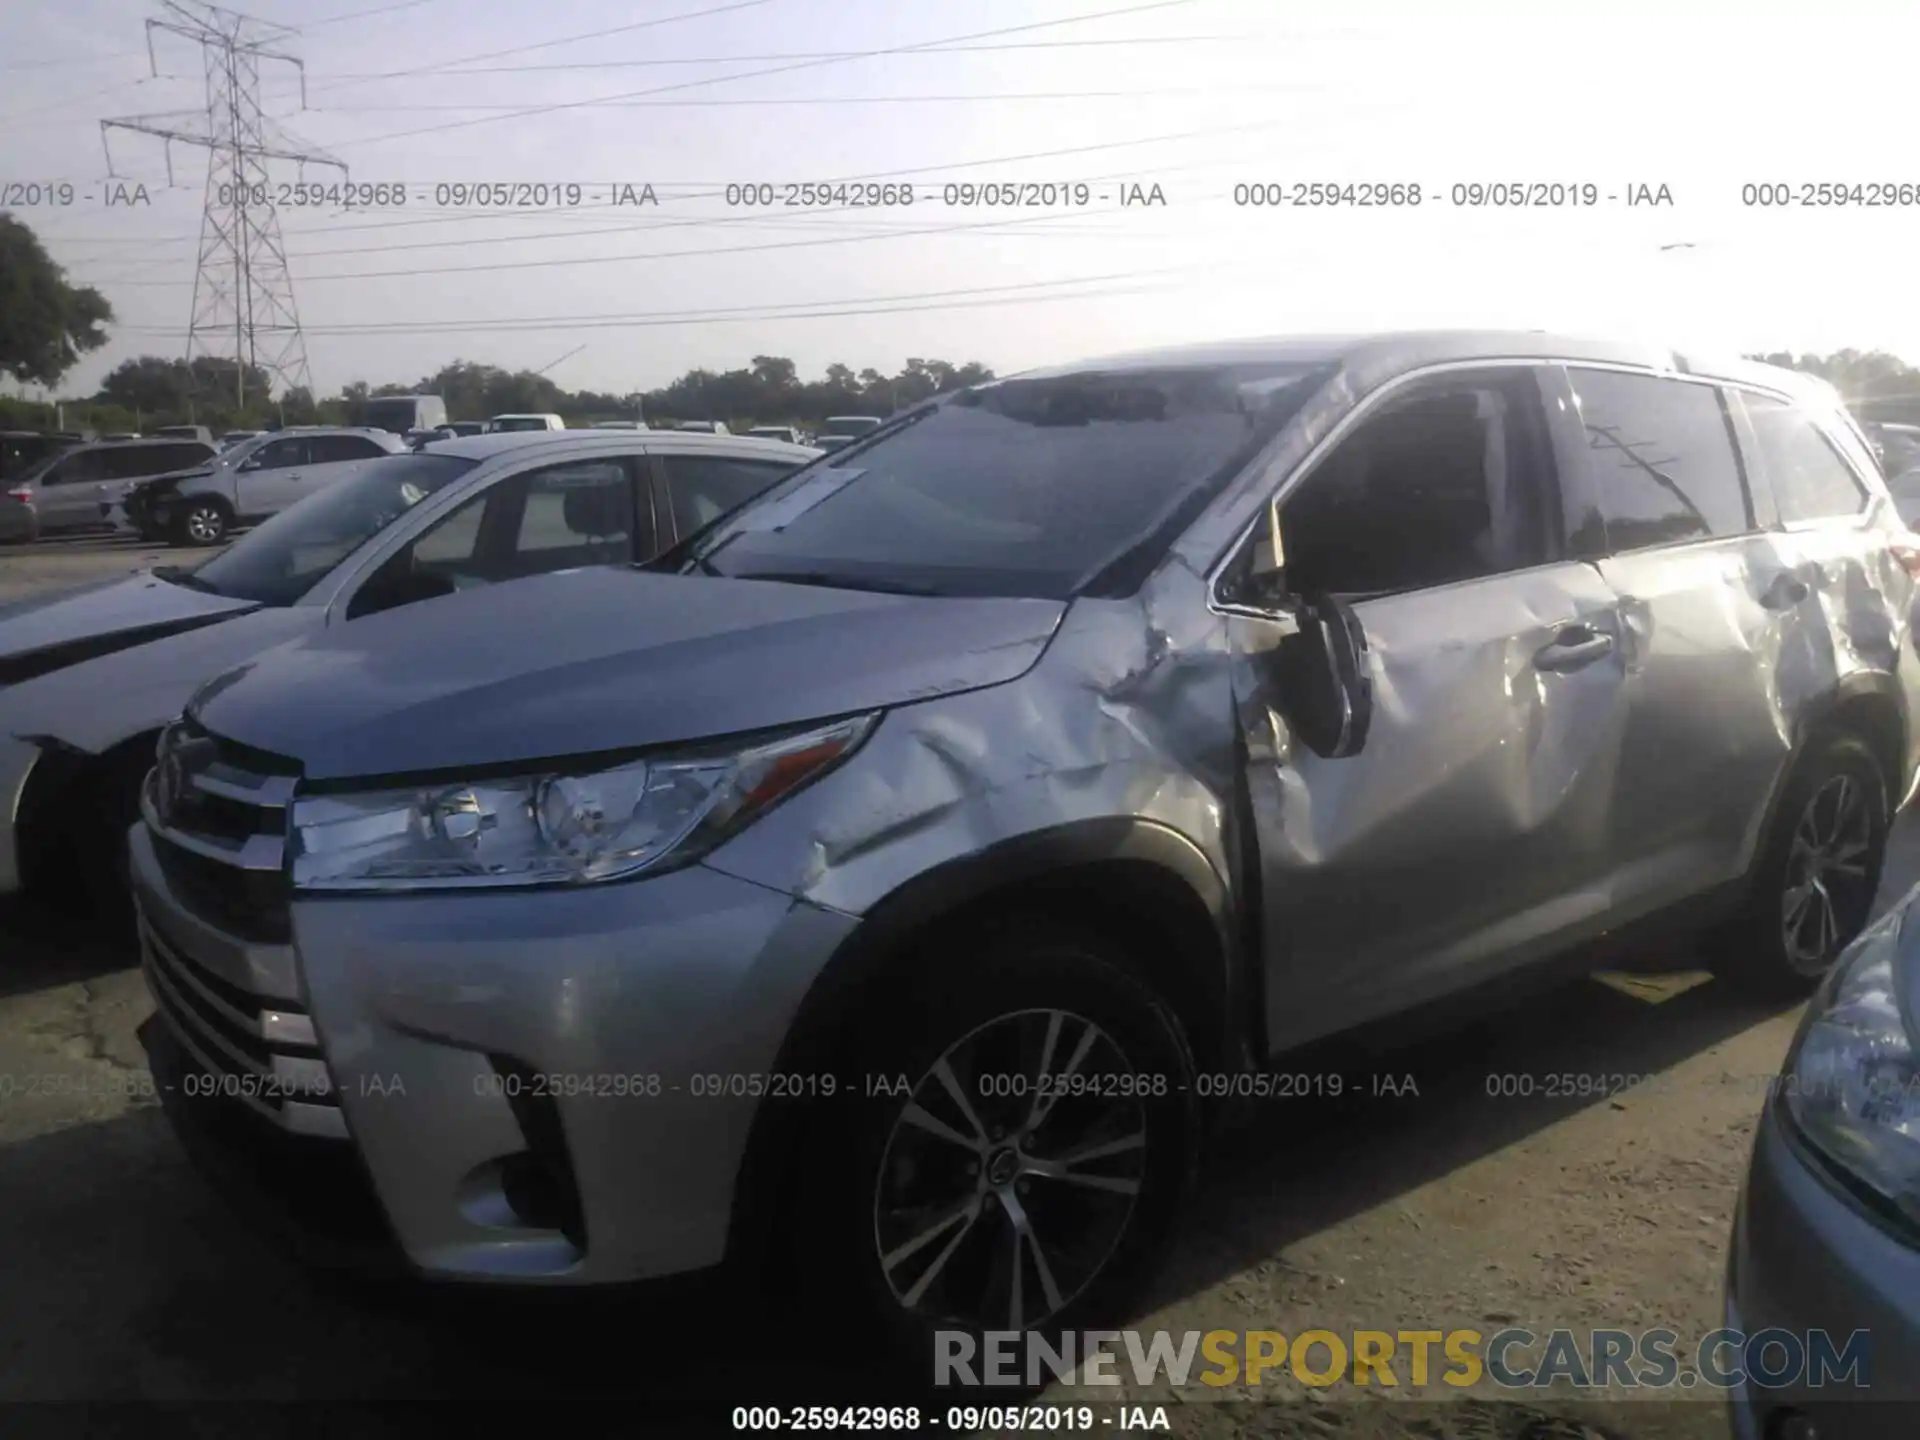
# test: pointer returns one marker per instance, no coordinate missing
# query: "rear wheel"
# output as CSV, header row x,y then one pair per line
x,y
1818,874
1023,1165
202,522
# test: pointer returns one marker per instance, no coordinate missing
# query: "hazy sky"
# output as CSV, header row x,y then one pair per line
x,y
1195,97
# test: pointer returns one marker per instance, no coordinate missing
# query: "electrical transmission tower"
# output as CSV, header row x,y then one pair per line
x,y
242,289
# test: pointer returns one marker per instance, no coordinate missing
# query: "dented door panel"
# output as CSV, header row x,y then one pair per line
x,y
1714,679
1473,831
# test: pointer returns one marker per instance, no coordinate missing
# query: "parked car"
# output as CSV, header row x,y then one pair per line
x,y
401,413
703,427
508,424
234,437
1897,446
787,433
76,488
467,427
1073,731
186,432
619,425
838,430
123,435
21,448
1826,1234
249,482
87,678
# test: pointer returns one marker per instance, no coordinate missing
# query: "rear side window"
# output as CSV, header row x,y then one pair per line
x,y
1810,481
1661,462
326,449
705,487
179,457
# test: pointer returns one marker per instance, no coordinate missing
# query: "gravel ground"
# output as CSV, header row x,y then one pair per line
x,y
123,1278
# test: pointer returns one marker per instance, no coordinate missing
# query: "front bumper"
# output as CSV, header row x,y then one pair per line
x,y
17,759
514,1072
1805,1258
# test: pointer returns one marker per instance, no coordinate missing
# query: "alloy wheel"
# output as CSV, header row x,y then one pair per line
x,y
1828,892
1009,1178
204,524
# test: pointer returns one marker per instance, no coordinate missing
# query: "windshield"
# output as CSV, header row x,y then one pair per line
x,y
1034,488
292,552
394,415
518,422
849,427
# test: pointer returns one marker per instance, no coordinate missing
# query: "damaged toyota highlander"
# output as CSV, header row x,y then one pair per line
x,y
887,867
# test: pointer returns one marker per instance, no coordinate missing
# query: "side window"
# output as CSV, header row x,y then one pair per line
x,y
581,513
184,456
327,449
1810,481
281,454
1661,461
139,460
80,466
705,487
1442,485
584,511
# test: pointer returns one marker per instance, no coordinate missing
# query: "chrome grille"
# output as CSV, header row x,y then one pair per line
x,y
262,1053
218,814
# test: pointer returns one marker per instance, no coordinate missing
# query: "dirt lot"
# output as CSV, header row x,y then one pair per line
x,y
122,1277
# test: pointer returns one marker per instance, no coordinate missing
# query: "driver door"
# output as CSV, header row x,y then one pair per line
x,y
1468,833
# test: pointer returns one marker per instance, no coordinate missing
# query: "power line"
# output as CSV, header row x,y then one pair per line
x,y
655,254
757,319
716,188
511,324
772,70
758,100
653,61
700,14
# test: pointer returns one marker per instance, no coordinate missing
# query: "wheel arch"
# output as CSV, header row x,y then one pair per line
x,y
59,797
1868,705
1144,885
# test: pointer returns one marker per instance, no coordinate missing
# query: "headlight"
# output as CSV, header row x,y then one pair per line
x,y
1852,1080
559,827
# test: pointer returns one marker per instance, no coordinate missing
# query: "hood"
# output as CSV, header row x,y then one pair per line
x,y
49,632
95,704
602,660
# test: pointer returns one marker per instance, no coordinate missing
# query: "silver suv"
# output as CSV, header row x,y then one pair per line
x,y
251,480
892,884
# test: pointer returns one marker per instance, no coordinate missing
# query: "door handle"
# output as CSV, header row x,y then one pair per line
x,y
1575,647
1786,591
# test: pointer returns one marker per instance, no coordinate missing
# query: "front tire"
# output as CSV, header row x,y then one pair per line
x,y
984,1198
202,523
1818,873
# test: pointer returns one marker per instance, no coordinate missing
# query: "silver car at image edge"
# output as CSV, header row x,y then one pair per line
x,y
1826,1235
872,901
90,675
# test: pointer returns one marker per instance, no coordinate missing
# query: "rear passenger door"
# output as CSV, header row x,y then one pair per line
x,y
1664,506
335,457
272,477
695,488
1812,468
67,496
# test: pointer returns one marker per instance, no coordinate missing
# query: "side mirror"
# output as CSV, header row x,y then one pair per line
x,y
1321,675
251,463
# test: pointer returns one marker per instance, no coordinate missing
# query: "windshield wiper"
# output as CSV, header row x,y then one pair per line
x,y
174,575
831,580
